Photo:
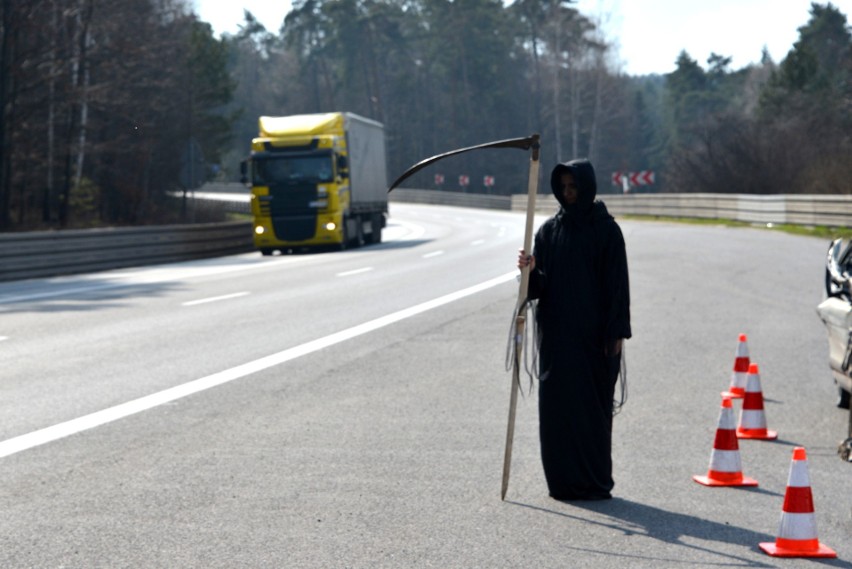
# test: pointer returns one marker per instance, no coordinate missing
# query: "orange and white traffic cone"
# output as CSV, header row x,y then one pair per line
x,y
738,375
725,463
797,535
752,418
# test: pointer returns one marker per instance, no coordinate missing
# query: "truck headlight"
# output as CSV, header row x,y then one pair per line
x,y
260,230
330,226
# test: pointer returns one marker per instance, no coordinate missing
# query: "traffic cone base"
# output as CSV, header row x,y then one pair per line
x,y
764,434
724,479
734,393
797,548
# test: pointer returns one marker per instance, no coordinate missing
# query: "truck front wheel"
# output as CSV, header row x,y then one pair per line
x,y
344,237
359,232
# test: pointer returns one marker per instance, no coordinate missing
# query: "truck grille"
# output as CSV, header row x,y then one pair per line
x,y
292,198
288,204
295,228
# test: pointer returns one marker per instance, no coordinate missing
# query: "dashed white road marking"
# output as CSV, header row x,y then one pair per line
x,y
355,272
433,254
215,299
108,280
478,242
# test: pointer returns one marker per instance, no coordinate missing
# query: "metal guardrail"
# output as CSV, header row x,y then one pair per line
x,y
808,210
795,209
53,253
434,197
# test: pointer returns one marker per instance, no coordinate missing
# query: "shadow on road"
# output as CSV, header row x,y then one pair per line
x,y
401,244
87,298
321,250
635,519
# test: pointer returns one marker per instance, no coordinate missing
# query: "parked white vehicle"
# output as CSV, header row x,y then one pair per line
x,y
836,313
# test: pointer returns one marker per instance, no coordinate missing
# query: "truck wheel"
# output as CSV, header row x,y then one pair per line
x,y
359,233
843,398
266,252
344,238
376,233
377,230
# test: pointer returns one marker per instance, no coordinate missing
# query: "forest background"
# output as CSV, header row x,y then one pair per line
x,y
109,107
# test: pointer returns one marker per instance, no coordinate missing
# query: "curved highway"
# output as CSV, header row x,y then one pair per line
x,y
348,409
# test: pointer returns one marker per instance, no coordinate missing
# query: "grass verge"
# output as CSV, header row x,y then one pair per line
x,y
819,231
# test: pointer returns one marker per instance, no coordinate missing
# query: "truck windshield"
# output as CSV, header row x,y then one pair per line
x,y
280,170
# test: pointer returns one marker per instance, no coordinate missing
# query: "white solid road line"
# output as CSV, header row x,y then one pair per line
x,y
98,418
215,299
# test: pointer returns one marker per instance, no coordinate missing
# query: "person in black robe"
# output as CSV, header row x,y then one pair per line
x,y
578,274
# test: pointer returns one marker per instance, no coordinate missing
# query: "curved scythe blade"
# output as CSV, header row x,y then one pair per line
x,y
522,143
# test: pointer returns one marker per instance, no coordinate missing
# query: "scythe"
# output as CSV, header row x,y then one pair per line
x,y
530,142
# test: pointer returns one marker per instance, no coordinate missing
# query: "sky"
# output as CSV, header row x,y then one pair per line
x,y
648,34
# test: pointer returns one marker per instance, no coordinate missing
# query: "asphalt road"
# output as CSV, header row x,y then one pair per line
x,y
349,409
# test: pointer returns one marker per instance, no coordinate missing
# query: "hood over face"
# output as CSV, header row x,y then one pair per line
x,y
584,177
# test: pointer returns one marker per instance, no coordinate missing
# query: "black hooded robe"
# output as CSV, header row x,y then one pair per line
x,y
581,283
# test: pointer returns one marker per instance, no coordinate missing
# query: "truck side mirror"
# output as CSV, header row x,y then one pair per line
x,y
243,172
342,166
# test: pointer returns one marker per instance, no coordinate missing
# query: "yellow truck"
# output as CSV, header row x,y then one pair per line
x,y
317,180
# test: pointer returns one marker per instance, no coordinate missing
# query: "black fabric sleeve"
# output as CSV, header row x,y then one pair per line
x,y
618,286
